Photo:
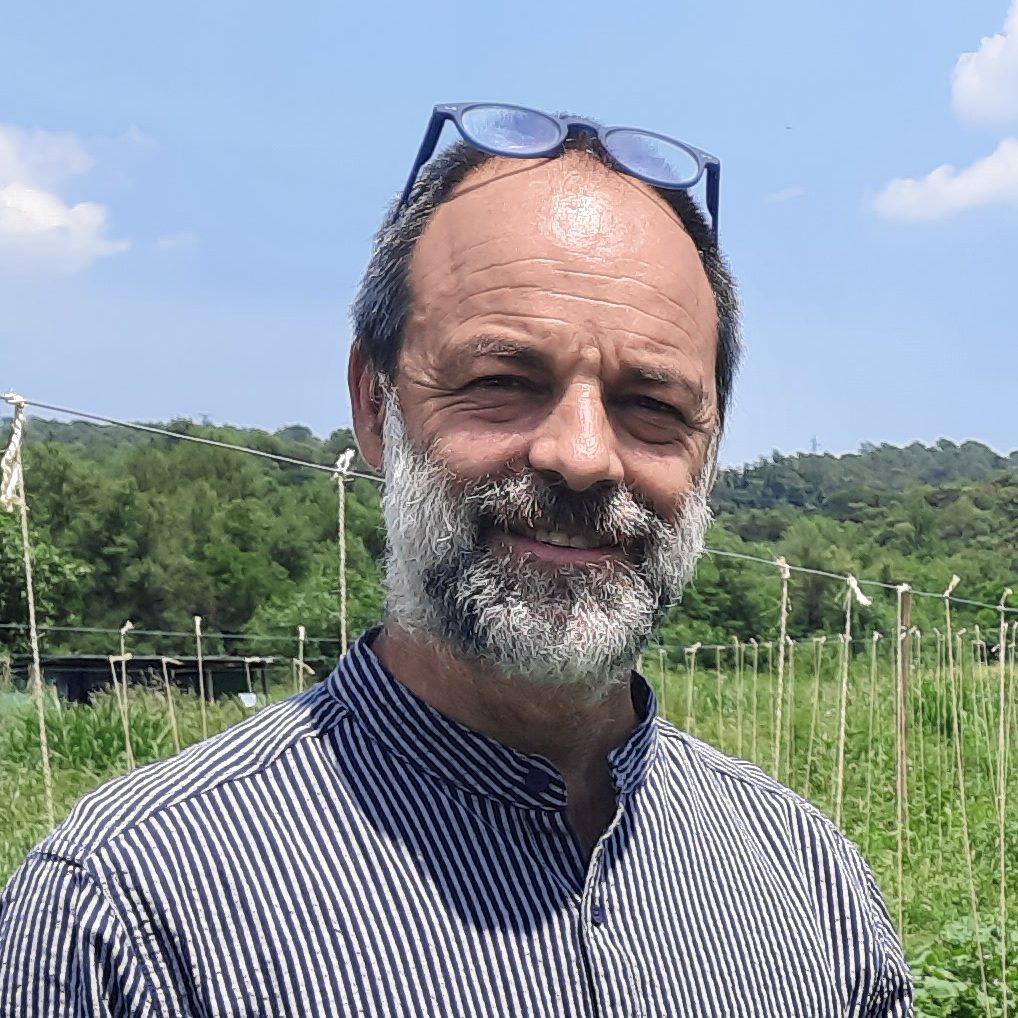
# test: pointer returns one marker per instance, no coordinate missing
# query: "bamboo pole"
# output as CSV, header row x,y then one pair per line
x,y
114,660
1002,774
789,736
170,709
904,611
919,725
852,595
342,472
12,493
870,762
664,682
756,701
690,656
301,637
782,634
980,705
740,692
201,678
818,654
720,699
125,707
903,667
962,803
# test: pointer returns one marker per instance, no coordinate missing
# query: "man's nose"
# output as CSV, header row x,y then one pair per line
x,y
576,441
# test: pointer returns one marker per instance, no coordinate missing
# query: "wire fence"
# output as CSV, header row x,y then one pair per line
x,y
903,738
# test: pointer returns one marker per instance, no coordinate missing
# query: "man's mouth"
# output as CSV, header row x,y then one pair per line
x,y
562,538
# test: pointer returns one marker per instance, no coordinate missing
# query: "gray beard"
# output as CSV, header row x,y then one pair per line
x,y
578,626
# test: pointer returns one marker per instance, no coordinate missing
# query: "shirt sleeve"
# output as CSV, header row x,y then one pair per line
x,y
64,949
893,994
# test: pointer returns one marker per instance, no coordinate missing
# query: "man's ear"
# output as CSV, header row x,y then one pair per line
x,y
368,406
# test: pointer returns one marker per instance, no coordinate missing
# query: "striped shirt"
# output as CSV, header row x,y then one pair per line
x,y
352,851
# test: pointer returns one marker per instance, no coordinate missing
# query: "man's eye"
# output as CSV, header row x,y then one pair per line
x,y
500,382
655,405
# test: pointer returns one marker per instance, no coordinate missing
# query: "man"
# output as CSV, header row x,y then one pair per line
x,y
479,812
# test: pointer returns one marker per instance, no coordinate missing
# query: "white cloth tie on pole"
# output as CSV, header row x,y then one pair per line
x,y
343,463
10,466
860,597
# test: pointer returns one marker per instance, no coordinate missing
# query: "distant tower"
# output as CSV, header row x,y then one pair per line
x,y
814,445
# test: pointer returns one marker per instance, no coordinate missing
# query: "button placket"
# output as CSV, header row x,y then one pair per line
x,y
605,980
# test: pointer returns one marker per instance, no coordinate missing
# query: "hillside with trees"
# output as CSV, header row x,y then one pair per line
x,y
128,525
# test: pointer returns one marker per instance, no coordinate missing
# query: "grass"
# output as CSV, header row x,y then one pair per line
x,y
87,747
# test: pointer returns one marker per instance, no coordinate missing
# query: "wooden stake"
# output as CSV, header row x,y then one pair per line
x,y
1002,752
740,692
782,634
201,678
121,696
301,637
756,714
664,682
904,662
170,710
12,493
690,655
342,470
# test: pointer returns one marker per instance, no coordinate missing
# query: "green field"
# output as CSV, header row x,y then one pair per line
x,y
729,707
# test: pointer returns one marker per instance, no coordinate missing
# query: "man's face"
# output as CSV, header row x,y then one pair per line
x,y
555,412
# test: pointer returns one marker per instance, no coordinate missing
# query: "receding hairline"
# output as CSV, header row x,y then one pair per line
x,y
506,167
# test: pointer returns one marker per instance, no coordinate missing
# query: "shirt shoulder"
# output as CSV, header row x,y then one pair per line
x,y
796,837
238,754
692,762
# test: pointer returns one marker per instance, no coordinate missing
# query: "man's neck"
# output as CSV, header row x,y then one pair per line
x,y
560,723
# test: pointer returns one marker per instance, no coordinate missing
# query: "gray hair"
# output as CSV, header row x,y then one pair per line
x,y
382,305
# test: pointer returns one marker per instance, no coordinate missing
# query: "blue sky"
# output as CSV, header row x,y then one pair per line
x,y
188,192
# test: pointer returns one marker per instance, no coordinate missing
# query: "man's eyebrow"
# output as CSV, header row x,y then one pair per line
x,y
499,346
656,374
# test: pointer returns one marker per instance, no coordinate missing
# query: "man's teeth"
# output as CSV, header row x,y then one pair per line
x,y
559,537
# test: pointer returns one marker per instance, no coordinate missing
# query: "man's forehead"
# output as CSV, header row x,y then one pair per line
x,y
543,217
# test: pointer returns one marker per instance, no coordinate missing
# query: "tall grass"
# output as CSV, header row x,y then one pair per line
x,y
731,711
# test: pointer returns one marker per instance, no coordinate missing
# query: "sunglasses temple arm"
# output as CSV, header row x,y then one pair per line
x,y
425,152
713,195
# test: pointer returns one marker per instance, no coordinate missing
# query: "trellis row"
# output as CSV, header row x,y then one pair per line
x,y
948,690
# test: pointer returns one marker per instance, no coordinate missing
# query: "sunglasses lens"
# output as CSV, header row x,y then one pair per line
x,y
664,162
509,130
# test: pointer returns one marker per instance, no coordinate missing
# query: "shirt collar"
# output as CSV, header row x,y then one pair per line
x,y
429,740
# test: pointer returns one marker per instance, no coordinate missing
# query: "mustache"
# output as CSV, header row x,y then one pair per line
x,y
613,513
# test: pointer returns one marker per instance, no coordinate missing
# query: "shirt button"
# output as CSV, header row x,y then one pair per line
x,y
536,781
597,914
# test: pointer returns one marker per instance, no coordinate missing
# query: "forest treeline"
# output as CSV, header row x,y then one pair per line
x,y
131,526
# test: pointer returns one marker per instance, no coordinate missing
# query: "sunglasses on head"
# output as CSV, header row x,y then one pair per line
x,y
521,133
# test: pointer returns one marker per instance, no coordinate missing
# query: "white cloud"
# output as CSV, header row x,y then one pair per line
x,y
984,89
177,241
785,194
985,83
945,191
39,231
